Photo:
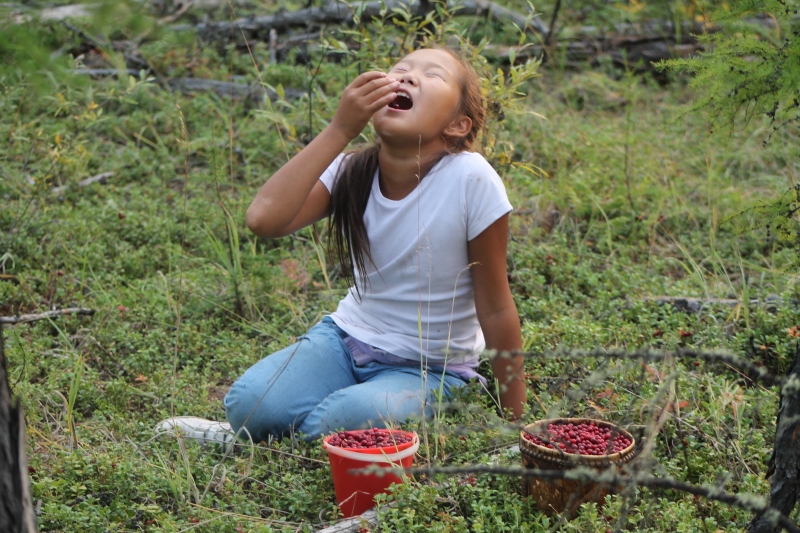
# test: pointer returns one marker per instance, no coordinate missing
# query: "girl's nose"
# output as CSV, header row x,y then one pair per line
x,y
407,78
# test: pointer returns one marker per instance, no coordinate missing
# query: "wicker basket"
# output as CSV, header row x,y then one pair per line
x,y
566,495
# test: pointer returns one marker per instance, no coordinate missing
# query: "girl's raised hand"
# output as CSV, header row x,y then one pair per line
x,y
361,99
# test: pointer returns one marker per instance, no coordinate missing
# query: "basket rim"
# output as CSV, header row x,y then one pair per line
x,y
561,456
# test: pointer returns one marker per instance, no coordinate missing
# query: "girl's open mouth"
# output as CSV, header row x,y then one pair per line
x,y
402,102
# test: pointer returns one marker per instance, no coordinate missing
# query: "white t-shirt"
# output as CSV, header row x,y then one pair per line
x,y
419,301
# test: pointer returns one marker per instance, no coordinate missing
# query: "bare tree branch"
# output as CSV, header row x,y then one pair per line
x,y
754,372
21,319
748,502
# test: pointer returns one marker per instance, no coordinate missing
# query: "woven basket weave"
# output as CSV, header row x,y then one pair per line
x,y
566,495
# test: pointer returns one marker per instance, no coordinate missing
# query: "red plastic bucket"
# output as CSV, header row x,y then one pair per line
x,y
355,493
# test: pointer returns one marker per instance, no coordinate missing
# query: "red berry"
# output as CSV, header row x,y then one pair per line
x,y
583,439
371,438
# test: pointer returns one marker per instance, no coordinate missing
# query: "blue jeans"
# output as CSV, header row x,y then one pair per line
x,y
315,387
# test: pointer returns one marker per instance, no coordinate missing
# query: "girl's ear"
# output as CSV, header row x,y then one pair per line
x,y
460,127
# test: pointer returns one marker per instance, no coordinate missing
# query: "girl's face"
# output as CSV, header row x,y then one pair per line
x,y
427,102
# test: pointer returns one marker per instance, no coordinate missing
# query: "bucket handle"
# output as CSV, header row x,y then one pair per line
x,y
374,458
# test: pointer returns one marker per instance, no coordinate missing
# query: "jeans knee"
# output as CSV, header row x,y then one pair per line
x,y
236,406
260,414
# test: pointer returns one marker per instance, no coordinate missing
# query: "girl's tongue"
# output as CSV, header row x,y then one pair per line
x,y
402,102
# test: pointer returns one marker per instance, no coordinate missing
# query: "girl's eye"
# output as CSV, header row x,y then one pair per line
x,y
434,74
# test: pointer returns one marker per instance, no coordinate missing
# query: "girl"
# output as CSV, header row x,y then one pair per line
x,y
419,226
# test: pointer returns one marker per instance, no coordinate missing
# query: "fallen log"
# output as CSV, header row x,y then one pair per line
x,y
340,13
16,507
624,51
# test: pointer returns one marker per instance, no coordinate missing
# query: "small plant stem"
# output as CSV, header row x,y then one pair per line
x,y
548,39
684,444
628,121
319,249
75,385
685,448
311,82
710,184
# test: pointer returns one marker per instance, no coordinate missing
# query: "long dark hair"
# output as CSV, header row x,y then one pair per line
x,y
348,243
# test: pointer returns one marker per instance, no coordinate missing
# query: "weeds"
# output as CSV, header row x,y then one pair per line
x,y
228,258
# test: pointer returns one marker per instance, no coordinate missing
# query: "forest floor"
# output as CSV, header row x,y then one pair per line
x,y
619,197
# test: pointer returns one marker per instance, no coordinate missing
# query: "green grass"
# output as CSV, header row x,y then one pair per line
x,y
187,298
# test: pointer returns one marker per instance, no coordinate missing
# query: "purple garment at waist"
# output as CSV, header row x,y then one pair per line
x,y
363,353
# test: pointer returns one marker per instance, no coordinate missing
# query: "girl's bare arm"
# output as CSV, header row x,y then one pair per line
x,y
497,312
294,197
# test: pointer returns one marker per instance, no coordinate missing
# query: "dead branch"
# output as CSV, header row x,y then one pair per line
x,y
749,502
756,373
99,178
22,319
695,305
175,16
624,51
104,72
366,520
57,13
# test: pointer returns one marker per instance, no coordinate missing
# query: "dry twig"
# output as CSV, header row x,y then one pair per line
x,y
22,319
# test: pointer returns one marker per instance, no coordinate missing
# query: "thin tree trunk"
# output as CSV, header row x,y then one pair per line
x,y
784,466
16,508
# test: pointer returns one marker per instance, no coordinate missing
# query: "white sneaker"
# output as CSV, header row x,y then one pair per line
x,y
199,429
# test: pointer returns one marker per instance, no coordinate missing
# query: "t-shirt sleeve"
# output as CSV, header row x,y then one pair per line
x,y
486,198
331,173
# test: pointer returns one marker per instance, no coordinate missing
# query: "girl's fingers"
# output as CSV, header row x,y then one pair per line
x,y
382,101
380,91
367,77
376,85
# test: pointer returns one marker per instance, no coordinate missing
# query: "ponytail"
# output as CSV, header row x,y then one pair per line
x,y
348,242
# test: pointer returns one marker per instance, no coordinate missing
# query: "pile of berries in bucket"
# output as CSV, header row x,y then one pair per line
x,y
371,438
585,438
356,450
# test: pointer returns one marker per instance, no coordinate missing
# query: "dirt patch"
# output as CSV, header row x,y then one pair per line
x,y
218,391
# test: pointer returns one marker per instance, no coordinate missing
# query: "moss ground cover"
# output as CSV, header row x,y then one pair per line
x,y
617,197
